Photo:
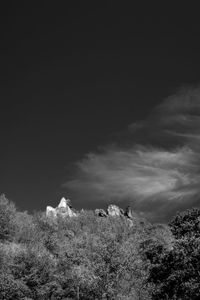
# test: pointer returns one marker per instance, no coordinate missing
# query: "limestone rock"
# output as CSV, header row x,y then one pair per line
x,y
51,212
100,212
64,203
128,212
64,209
113,210
66,212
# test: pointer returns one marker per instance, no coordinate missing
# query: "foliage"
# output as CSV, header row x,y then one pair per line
x,y
186,224
88,257
24,226
175,272
35,269
11,289
7,212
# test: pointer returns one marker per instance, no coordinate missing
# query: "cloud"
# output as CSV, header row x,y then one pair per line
x,y
156,168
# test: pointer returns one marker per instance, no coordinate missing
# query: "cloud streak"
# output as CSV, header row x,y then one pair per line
x,y
157,169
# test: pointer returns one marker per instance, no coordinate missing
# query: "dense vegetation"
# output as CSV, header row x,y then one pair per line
x,y
89,257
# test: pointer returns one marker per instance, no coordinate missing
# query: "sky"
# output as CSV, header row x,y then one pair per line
x,y
100,103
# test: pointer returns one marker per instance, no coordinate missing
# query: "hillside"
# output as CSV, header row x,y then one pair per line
x,y
84,256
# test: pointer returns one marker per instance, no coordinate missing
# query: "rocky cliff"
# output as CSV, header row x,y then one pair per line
x,y
64,209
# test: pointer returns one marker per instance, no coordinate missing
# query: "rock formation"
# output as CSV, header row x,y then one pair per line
x,y
51,212
128,212
113,210
100,212
64,203
129,216
64,209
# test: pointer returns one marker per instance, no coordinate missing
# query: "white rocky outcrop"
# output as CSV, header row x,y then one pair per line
x,y
64,203
63,209
113,210
51,212
100,212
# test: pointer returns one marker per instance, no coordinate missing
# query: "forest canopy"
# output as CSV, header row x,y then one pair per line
x,y
91,257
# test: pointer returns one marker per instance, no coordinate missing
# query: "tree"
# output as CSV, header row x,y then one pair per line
x,y
174,272
11,289
186,224
25,229
35,268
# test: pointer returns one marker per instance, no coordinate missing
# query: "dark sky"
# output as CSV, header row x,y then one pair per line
x,y
72,77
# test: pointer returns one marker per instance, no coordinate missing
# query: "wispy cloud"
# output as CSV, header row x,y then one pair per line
x,y
158,170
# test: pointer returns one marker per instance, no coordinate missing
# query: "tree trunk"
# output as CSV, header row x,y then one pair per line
x,y
78,296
